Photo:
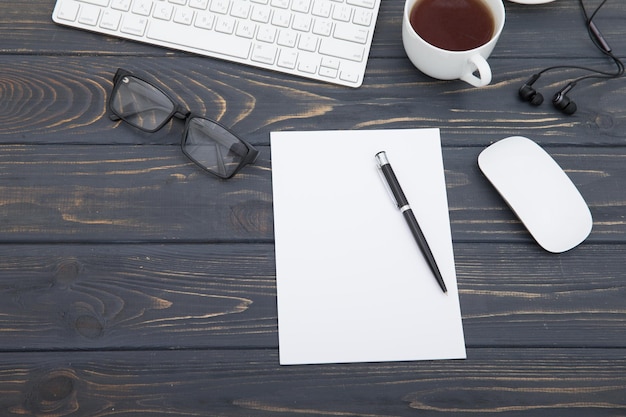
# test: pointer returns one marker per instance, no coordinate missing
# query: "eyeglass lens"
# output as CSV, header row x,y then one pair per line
x,y
205,142
213,147
141,104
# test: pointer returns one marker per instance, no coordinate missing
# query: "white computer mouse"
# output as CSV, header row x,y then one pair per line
x,y
538,191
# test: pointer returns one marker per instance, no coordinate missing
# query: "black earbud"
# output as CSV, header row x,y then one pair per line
x,y
528,93
562,102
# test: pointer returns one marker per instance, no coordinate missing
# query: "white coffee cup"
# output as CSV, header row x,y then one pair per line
x,y
451,65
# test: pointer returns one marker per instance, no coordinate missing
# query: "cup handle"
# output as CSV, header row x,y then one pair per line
x,y
477,63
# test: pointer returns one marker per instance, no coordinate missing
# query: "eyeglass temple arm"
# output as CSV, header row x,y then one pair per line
x,y
180,113
253,155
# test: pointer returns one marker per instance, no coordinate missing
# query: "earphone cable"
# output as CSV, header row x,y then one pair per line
x,y
598,40
594,38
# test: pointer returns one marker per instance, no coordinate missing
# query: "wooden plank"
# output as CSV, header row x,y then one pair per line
x,y
116,296
153,193
63,100
113,193
515,295
173,296
512,382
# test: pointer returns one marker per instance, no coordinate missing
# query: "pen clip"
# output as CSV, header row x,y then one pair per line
x,y
381,159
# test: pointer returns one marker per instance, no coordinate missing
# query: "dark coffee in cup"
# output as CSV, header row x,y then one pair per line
x,y
453,25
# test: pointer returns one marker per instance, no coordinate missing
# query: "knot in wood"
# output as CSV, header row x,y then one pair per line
x,y
53,393
67,271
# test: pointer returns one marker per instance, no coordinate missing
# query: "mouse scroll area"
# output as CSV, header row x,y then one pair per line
x,y
538,191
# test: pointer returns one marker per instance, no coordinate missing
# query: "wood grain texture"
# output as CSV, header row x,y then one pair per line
x,y
112,193
172,296
67,99
514,382
133,284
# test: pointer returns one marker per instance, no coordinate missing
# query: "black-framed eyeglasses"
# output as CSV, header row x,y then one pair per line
x,y
208,144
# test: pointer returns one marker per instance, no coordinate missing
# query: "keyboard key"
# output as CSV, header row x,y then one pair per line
x,y
282,4
110,20
287,58
211,41
163,11
362,17
342,13
89,15
123,5
261,14
246,29
183,16
205,20
350,72
266,34
308,64
142,7
281,18
301,22
322,27
307,43
287,38
342,49
328,72
225,24
369,4
220,6
321,8
301,6
240,10
330,62
199,4
101,3
134,25
350,33
67,11
264,52
349,76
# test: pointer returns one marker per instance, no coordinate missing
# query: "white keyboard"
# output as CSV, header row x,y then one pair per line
x,y
326,40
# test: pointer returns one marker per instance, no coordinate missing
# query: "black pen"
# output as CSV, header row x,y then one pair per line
x,y
405,209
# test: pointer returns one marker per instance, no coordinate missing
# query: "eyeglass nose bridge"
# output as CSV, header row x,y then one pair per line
x,y
181,113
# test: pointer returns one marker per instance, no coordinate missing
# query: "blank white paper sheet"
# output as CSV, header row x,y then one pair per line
x,y
352,284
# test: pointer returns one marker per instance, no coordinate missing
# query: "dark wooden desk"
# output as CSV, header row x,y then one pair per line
x,y
133,284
